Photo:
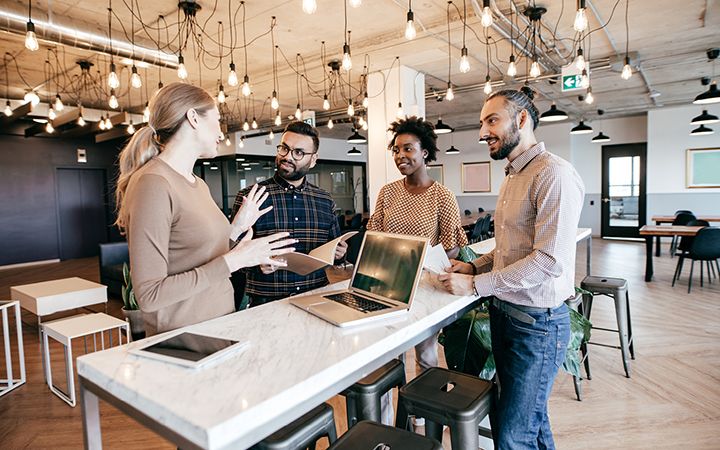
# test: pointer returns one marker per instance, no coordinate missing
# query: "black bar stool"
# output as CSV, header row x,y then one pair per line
x,y
363,398
304,432
445,397
617,289
368,435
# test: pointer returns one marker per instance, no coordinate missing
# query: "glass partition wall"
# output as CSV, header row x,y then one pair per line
x,y
226,175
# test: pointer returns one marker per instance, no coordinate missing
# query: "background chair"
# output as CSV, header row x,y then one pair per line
x,y
481,230
481,210
112,256
680,219
355,222
705,247
467,212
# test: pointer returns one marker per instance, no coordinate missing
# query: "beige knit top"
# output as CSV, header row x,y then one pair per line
x,y
176,236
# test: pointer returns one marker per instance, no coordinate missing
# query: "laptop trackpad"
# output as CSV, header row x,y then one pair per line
x,y
334,310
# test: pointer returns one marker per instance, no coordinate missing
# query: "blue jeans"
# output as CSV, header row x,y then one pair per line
x,y
527,358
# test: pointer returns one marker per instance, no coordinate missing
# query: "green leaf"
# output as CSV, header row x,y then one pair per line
x,y
467,255
128,296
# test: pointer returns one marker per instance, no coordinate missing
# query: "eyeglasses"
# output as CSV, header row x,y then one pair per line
x,y
297,153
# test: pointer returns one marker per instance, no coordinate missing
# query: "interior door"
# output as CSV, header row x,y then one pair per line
x,y
623,190
82,211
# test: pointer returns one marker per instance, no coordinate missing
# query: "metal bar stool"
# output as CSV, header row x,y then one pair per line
x,y
304,432
445,397
363,398
368,435
617,289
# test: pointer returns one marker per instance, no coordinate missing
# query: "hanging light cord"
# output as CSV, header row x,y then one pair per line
x,y
627,28
448,33
244,37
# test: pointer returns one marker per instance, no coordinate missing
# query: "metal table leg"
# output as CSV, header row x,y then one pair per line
x,y
92,435
648,258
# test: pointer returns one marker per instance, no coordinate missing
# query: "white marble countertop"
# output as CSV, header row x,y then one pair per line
x,y
294,362
488,245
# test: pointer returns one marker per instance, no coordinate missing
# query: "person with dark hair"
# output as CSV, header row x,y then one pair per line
x,y
179,241
301,208
531,271
418,205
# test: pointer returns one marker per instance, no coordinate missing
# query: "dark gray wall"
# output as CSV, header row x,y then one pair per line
x,y
28,197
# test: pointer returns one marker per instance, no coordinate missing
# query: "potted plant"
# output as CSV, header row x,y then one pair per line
x,y
130,309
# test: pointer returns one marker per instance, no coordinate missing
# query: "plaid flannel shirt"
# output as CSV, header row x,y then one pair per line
x,y
307,213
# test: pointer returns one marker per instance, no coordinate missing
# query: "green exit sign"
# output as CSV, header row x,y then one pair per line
x,y
571,82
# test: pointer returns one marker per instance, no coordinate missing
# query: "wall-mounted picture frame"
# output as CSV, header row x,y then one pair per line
x,y
436,172
476,177
702,168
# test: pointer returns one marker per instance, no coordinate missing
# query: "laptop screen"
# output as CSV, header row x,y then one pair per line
x,y
388,266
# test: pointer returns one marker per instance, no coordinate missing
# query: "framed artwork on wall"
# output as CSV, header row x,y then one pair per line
x,y
702,168
476,177
436,172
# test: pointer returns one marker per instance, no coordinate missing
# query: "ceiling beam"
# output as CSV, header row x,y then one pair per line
x,y
19,112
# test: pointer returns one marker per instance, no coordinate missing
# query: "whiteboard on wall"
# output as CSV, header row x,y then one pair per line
x,y
702,168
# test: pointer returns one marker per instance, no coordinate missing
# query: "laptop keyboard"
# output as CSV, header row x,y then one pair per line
x,y
356,302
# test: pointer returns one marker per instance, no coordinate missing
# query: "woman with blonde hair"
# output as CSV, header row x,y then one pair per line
x,y
179,240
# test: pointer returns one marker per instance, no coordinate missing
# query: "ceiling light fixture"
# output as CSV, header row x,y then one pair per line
x,y
278,119
452,151
274,103
627,70
113,102
131,128
581,128
8,110
410,31
31,42
442,128
449,95
49,128
32,97
486,18
354,152
553,114
704,119
355,3
581,21
330,124
58,103
702,130
600,138
356,138
512,68
589,98
712,95
309,6
246,90
182,72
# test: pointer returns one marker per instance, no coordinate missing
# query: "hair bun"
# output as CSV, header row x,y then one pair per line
x,y
527,90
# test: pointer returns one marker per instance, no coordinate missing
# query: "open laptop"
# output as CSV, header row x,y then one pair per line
x,y
383,284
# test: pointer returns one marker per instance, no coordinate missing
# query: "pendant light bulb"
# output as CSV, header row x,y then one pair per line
x,y
584,79
309,6
330,124
135,80
589,99
581,21
8,110
227,141
113,103
246,91
80,121
232,75
131,128
242,142
512,68
31,42
274,102
346,59
400,113
449,94
146,113
182,72
101,124
488,86
326,103
254,124
58,103
271,135
410,31
627,70
366,101
364,126
298,112
32,97
246,125
113,80
49,128
464,60
350,109
221,95
486,18
108,124
51,114
278,119
535,69
355,3
580,60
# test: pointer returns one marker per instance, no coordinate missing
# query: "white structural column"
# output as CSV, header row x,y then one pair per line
x,y
385,89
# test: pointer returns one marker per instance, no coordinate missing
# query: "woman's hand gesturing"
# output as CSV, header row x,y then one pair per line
x,y
250,211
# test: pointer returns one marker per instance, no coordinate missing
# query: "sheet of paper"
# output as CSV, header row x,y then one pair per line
x,y
436,260
318,258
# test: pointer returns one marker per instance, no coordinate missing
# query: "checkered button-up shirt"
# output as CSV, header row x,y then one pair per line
x,y
536,221
307,213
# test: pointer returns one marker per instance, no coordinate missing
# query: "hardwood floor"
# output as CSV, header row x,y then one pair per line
x,y
671,401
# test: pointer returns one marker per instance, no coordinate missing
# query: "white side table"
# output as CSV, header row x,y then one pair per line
x,y
65,330
10,383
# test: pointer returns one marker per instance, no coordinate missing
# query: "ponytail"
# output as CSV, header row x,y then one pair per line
x,y
141,149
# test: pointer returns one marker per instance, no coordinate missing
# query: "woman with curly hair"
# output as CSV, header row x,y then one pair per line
x,y
418,205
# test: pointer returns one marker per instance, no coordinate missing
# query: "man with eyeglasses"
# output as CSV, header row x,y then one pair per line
x,y
303,209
